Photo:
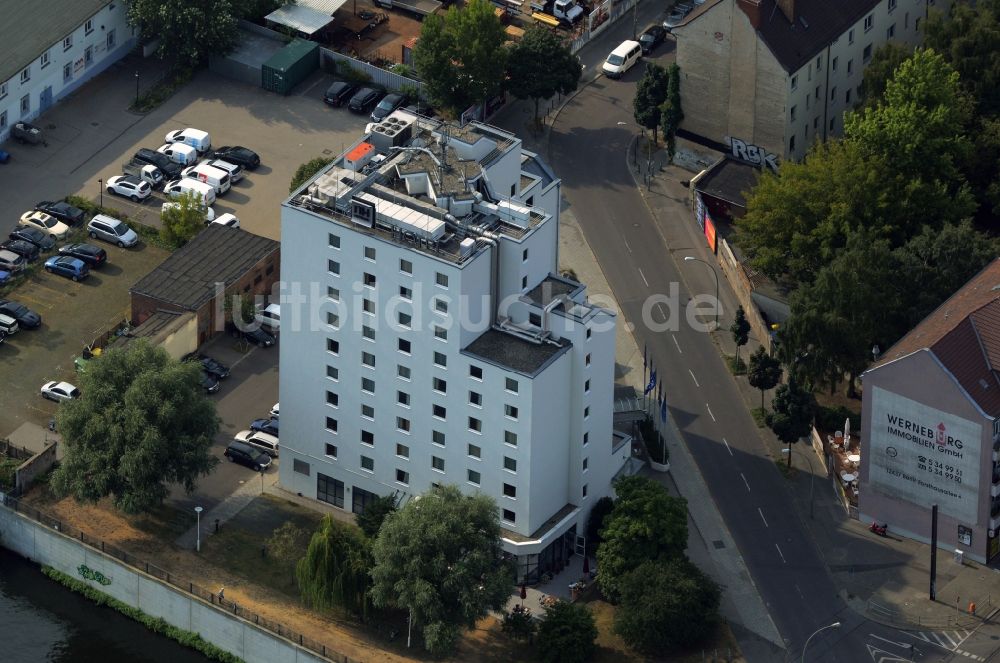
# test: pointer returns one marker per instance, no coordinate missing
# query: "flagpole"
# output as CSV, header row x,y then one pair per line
x,y
643,376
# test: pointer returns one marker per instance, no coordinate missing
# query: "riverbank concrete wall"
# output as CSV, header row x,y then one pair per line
x,y
237,636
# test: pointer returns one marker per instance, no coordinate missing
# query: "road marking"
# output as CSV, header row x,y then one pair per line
x,y
694,378
904,645
799,590
889,656
745,481
626,245
763,518
643,277
780,554
954,645
659,307
727,446
710,411
677,344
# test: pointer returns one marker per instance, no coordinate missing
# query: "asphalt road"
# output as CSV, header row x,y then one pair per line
x,y
596,128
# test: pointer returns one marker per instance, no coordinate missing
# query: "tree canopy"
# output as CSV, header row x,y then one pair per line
x,y
672,113
460,56
880,70
307,170
567,633
667,605
371,519
646,523
740,329
182,221
540,66
763,372
439,557
187,31
334,574
142,422
794,408
650,94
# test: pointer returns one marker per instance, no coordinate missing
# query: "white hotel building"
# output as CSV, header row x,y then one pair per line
x,y
407,373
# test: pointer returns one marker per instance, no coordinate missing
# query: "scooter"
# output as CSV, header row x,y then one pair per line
x,y
881,530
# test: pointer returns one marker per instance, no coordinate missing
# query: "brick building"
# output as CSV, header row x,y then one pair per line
x,y
219,260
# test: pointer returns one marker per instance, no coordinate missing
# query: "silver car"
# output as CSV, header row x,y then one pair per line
x,y
112,230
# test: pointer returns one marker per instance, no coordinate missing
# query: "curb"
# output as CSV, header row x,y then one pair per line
x,y
966,622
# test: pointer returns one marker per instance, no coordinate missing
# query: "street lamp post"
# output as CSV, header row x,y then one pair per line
x,y
198,511
833,625
136,88
716,275
100,186
812,477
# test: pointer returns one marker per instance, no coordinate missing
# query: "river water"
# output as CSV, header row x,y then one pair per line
x,y
40,620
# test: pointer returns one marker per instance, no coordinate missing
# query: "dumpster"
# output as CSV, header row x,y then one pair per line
x,y
290,66
23,132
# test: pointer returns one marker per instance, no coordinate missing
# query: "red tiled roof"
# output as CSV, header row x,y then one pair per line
x,y
964,334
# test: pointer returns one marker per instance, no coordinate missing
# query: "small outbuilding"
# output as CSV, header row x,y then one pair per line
x,y
290,66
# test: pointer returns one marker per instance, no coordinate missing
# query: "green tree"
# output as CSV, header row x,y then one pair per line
x,y
667,606
880,70
764,372
305,171
740,329
334,574
460,56
370,520
595,522
969,38
645,524
439,557
671,113
792,418
187,31
256,10
567,634
650,94
519,623
285,545
142,422
181,222
541,66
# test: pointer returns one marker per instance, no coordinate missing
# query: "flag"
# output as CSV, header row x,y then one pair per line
x,y
663,410
644,357
652,382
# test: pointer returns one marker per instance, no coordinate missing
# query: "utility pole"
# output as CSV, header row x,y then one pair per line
x,y
934,511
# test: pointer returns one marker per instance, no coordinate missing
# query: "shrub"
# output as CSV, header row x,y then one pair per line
x,y
655,444
831,419
518,623
567,634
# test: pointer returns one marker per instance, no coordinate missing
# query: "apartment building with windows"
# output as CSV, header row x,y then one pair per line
x,y
48,50
780,74
427,337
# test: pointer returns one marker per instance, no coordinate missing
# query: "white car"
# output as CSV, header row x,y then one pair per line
x,y
47,224
181,153
209,212
264,441
228,219
196,138
269,317
235,172
59,391
274,411
130,186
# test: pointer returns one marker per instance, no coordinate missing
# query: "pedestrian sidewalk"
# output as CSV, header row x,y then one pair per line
x,y
227,509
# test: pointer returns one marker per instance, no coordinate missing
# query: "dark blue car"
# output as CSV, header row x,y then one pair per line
x,y
71,268
269,426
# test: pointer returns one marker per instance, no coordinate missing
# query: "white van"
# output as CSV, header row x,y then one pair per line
x,y
196,138
622,58
180,153
235,172
219,179
187,185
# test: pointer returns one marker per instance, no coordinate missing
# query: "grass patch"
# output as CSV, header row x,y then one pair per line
x,y
165,522
759,415
8,467
736,365
154,624
782,465
162,91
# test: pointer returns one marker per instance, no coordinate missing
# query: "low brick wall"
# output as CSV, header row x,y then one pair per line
x,y
34,467
742,288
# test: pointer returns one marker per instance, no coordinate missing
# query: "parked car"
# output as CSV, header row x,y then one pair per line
x,y
8,325
339,93
23,248
196,138
62,211
4,276
675,19
241,156
169,168
228,220
254,335
235,172
364,99
181,153
35,236
652,37
389,103
130,187
209,212
274,411
47,224
216,368
25,317
59,391
270,317
269,426
11,262
209,382
112,230
263,441
244,454
93,256
71,268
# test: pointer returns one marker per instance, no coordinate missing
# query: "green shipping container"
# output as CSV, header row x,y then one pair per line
x,y
290,66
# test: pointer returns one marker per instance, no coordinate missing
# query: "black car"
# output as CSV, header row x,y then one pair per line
x,y
21,247
93,256
209,382
25,316
170,169
241,156
244,454
364,99
339,93
269,426
62,211
652,37
388,104
216,368
43,241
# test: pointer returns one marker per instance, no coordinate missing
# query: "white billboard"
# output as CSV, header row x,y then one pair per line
x,y
924,456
